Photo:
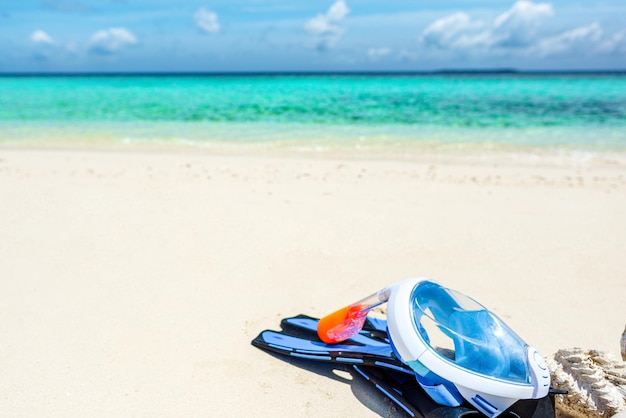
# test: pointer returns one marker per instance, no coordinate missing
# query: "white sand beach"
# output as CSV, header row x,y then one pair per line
x,y
133,281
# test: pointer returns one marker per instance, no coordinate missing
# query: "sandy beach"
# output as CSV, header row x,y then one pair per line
x,y
133,281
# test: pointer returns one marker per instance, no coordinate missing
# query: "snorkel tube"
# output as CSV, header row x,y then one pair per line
x,y
457,348
348,321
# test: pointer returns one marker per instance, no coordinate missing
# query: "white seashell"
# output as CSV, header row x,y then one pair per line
x,y
594,379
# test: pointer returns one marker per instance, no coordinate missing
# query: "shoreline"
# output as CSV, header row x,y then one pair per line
x,y
557,145
420,152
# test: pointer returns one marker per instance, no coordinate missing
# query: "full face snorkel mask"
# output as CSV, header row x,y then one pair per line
x,y
457,348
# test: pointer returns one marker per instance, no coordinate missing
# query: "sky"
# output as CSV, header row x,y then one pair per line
x,y
312,35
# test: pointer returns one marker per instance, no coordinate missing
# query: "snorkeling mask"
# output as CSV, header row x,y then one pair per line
x,y
457,348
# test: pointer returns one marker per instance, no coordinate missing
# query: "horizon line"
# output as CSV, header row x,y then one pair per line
x,y
494,71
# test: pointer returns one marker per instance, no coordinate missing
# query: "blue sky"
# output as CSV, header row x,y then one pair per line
x,y
313,35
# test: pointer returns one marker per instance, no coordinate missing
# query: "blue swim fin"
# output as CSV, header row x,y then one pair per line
x,y
372,356
299,339
406,393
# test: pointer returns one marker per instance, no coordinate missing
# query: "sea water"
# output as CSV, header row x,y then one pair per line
x,y
584,112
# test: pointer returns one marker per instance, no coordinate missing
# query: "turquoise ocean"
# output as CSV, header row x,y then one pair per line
x,y
580,112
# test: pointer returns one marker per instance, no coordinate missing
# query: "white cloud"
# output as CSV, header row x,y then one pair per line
x,y
338,11
41,37
616,44
524,11
44,46
518,26
519,32
583,39
112,40
447,31
377,53
206,20
325,27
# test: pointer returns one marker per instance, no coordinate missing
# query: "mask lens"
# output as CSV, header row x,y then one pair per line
x,y
465,333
